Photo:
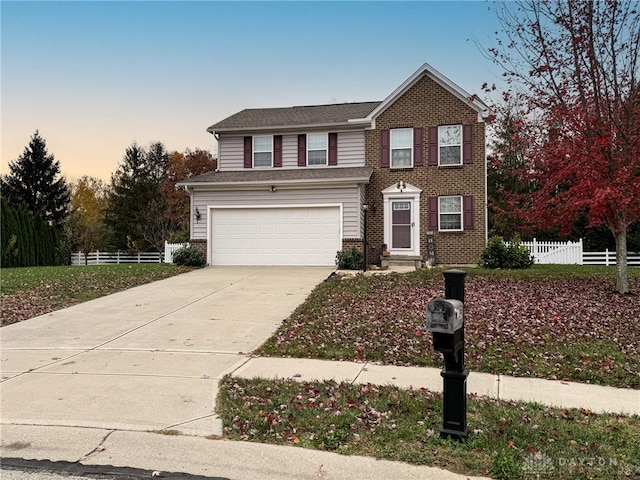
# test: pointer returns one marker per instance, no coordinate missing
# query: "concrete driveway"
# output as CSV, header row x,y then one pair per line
x,y
148,358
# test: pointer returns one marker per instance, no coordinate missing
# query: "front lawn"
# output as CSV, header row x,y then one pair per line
x,y
554,322
507,440
31,291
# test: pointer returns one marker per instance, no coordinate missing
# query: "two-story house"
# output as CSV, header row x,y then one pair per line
x,y
294,184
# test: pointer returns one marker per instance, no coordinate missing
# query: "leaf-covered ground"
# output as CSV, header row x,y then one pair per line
x,y
507,440
32,291
540,323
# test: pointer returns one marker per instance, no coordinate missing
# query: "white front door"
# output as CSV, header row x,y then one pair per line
x,y
402,219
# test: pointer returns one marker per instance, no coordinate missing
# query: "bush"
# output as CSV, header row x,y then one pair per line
x,y
352,259
498,254
518,254
494,255
189,257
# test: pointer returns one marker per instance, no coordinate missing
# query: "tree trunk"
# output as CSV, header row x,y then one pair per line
x,y
622,284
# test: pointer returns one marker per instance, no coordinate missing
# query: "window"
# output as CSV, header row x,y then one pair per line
x,y
317,149
262,151
450,213
450,144
401,148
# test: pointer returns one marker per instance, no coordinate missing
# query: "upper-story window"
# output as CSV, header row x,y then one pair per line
x,y
450,144
450,213
402,148
263,151
316,149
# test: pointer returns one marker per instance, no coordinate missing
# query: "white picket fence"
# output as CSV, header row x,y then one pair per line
x,y
113,258
566,253
572,253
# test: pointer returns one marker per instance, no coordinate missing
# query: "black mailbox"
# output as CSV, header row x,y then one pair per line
x,y
445,320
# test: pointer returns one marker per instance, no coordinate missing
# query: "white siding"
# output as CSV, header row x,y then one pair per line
x,y
348,197
350,151
231,153
290,151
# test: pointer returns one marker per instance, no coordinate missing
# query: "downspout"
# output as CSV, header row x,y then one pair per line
x,y
186,189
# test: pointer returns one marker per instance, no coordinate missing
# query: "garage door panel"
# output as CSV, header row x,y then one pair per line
x,y
275,236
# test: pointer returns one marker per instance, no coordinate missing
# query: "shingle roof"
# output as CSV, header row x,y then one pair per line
x,y
302,175
310,115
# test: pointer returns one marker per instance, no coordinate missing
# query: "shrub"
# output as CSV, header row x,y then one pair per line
x,y
352,259
518,254
189,257
494,255
498,254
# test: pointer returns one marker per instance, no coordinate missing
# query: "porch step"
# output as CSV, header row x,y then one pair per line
x,y
401,261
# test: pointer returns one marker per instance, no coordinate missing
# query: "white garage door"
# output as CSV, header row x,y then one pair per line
x,y
275,236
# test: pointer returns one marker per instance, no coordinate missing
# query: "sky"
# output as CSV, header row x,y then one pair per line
x,y
95,77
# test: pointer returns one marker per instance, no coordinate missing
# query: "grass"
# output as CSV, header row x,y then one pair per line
x,y
550,321
32,291
507,440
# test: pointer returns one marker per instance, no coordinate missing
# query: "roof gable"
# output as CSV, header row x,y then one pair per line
x,y
427,70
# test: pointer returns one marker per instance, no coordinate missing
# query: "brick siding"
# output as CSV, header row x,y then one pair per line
x,y
348,243
199,244
427,104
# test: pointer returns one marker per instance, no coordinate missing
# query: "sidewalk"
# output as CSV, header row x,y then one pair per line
x,y
561,394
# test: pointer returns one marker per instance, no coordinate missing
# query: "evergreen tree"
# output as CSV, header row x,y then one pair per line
x,y
34,182
28,240
135,192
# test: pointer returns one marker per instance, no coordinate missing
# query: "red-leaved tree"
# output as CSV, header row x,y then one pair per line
x,y
182,166
573,66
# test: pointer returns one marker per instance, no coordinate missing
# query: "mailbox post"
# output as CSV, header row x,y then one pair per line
x,y
445,319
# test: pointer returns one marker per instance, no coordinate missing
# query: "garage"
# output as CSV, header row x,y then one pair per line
x,y
289,236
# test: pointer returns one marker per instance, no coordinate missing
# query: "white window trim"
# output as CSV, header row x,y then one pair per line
x,y
326,150
440,229
458,145
391,149
254,151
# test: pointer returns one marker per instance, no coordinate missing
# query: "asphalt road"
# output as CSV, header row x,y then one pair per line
x,y
19,469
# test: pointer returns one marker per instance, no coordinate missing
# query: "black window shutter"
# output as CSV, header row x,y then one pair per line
x,y
277,150
417,147
248,152
384,148
302,150
467,212
433,147
333,149
433,213
467,144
